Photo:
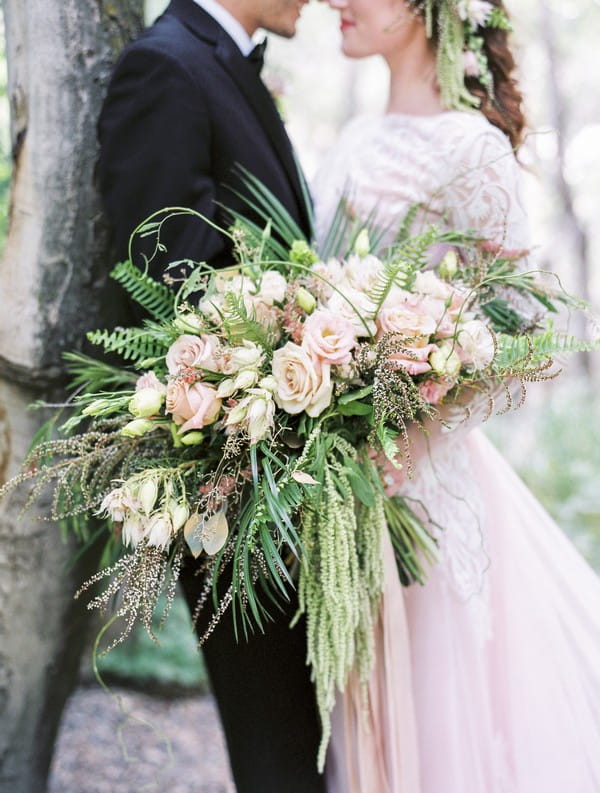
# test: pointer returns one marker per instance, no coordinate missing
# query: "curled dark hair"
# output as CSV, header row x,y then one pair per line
x,y
504,107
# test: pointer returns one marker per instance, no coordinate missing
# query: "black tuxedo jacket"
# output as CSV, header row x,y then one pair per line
x,y
184,106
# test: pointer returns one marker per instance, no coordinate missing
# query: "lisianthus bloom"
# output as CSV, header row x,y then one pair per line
x,y
193,406
255,412
433,391
329,337
146,402
150,380
476,344
303,383
445,361
414,358
361,273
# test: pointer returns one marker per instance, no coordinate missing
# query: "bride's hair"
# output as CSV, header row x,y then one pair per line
x,y
504,107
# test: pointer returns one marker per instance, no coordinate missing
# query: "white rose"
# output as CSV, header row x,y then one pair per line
x,y
476,342
339,304
427,283
272,288
302,384
362,273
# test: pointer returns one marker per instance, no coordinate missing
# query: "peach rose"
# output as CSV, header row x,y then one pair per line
x,y
302,382
193,406
329,337
188,350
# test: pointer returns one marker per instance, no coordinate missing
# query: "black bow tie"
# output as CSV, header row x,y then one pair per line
x,y
257,56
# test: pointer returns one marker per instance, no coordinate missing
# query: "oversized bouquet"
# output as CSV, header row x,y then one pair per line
x,y
248,423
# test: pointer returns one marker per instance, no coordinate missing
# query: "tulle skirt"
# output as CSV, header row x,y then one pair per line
x,y
487,679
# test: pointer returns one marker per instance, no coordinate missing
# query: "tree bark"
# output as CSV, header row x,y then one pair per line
x,y
572,227
54,287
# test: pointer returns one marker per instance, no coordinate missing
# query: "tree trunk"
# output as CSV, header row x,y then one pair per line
x,y
572,227
53,283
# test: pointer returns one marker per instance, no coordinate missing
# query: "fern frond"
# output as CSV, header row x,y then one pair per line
x,y
532,350
133,344
241,324
156,298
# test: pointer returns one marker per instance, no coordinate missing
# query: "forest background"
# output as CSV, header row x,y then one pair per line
x,y
554,441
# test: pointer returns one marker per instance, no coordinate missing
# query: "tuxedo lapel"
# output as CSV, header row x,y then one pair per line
x,y
251,86
261,101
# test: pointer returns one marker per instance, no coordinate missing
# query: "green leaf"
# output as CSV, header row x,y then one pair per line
x,y
355,409
155,297
350,396
359,480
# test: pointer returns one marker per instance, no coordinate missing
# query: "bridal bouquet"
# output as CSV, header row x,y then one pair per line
x,y
246,422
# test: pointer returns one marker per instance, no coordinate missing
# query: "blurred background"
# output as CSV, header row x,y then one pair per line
x,y
554,442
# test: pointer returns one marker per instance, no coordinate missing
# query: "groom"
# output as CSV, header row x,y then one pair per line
x,y
185,105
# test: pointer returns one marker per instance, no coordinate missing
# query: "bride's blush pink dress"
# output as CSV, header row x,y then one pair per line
x,y
487,679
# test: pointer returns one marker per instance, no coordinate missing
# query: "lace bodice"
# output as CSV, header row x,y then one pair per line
x,y
463,172
457,165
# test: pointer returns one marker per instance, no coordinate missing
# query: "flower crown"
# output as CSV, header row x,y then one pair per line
x,y
460,53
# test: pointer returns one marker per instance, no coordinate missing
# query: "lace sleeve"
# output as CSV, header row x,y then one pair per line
x,y
485,193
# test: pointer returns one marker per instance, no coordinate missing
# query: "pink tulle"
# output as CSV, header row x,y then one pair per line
x,y
504,681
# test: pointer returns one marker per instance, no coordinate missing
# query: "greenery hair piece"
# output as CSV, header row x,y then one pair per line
x,y
457,27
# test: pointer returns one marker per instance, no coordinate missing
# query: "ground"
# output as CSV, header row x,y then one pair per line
x,y
130,741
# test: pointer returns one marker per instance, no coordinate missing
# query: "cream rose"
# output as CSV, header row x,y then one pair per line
x,y
196,351
407,320
193,406
329,337
302,382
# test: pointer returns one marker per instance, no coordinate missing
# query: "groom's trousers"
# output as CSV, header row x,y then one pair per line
x,y
265,699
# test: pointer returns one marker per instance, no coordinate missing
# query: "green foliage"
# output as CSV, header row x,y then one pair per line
x,y
153,296
91,376
515,351
241,324
133,344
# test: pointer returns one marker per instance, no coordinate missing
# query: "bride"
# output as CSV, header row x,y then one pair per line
x,y
487,679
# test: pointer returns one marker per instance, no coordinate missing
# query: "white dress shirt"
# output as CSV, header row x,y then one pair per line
x,y
229,24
